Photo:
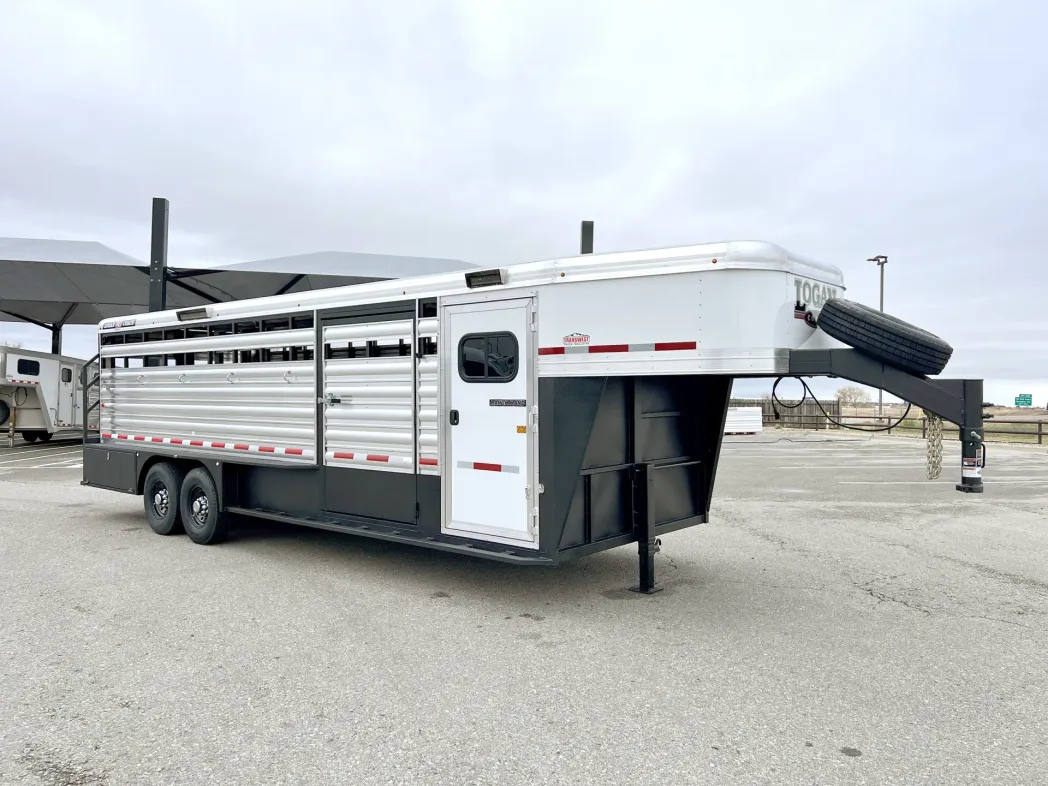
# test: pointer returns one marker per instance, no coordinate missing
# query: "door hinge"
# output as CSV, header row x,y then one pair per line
x,y
532,321
533,418
533,522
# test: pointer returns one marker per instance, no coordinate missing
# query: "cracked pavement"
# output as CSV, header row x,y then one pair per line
x,y
840,621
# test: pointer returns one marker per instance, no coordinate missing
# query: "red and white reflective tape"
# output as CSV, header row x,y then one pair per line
x,y
485,467
369,458
23,381
239,447
600,349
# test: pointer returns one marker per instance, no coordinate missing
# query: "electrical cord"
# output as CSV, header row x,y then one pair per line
x,y
807,392
757,443
25,396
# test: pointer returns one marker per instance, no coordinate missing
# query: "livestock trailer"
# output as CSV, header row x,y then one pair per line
x,y
41,395
530,414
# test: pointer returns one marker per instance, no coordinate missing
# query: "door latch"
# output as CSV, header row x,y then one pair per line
x,y
333,399
453,417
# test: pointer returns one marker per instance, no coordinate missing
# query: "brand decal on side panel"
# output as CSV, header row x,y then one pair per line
x,y
114,324
812,293
576,340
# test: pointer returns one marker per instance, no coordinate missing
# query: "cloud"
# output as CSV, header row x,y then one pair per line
x,y
487,131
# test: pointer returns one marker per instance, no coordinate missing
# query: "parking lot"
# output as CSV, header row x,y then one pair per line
x,y
841,620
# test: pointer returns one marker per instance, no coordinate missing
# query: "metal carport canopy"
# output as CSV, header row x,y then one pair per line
x,y
52,283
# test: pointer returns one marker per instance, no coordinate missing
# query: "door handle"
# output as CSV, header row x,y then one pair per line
x,y
454,419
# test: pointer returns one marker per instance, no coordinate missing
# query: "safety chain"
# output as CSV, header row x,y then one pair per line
x,y
934,445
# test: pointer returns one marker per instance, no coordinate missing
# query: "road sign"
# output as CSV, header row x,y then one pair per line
x,y
1024,400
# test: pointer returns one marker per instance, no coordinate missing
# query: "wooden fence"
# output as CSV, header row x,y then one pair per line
x,y
807,415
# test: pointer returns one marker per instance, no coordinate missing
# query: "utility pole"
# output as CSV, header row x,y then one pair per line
x,y
880,260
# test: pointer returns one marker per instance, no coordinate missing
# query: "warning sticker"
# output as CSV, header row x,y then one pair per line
x,y
970,467
522,429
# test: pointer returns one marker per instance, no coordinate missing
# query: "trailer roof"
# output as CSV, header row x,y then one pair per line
x,y
77,282
713,257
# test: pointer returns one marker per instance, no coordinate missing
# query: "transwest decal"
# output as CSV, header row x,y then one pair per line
x,y
576,340
812,293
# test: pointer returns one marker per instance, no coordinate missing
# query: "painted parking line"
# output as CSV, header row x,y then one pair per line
x,y
987,481
61,464
5,461
26,450
7,470
858,465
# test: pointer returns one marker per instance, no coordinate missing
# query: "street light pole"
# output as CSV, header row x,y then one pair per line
x,y
880,260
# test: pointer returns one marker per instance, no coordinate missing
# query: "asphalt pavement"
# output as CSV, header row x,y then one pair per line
x,y
842,620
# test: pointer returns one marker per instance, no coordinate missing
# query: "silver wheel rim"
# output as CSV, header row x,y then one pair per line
x,y
199,509
161,500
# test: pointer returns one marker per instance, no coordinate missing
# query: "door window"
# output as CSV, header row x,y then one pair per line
x,y
67,375
488,357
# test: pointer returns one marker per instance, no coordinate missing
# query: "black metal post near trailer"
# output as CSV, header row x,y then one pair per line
x,y
587,237
158,255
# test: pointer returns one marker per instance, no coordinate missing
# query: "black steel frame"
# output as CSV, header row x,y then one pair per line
x,y
959,401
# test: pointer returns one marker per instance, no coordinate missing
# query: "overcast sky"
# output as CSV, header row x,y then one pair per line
x,y
487,130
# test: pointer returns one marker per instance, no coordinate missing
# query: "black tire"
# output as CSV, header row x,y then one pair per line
x,y
30,436
884,337
161,493
44,436
5,413
203,521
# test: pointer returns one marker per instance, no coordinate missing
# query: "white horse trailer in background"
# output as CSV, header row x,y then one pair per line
x,y
41,395
530,414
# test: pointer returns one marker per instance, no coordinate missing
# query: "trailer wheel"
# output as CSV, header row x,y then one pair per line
x,y
884,337
44,436
5,413
203,521
30,436
160,494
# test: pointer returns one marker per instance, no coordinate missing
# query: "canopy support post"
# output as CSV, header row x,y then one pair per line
x,y
158,256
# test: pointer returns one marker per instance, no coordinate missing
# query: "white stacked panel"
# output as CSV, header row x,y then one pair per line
x,y
267,404
744,420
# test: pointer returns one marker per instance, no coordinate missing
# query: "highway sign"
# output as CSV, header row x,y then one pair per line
x,y
1024,400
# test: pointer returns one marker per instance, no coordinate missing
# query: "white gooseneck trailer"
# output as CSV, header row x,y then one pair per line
x,y
530,414
41,395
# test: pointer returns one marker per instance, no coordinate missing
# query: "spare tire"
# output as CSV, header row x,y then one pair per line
x,y
5,412
884,337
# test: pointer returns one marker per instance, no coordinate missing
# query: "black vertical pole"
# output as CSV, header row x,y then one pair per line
x,y
56,339
587,237
158,256
973,452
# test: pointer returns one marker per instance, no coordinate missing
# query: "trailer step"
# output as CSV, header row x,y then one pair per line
x,y
394,535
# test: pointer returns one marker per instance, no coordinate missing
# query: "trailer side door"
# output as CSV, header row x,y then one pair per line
x,y
488,393
66,395
366,411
